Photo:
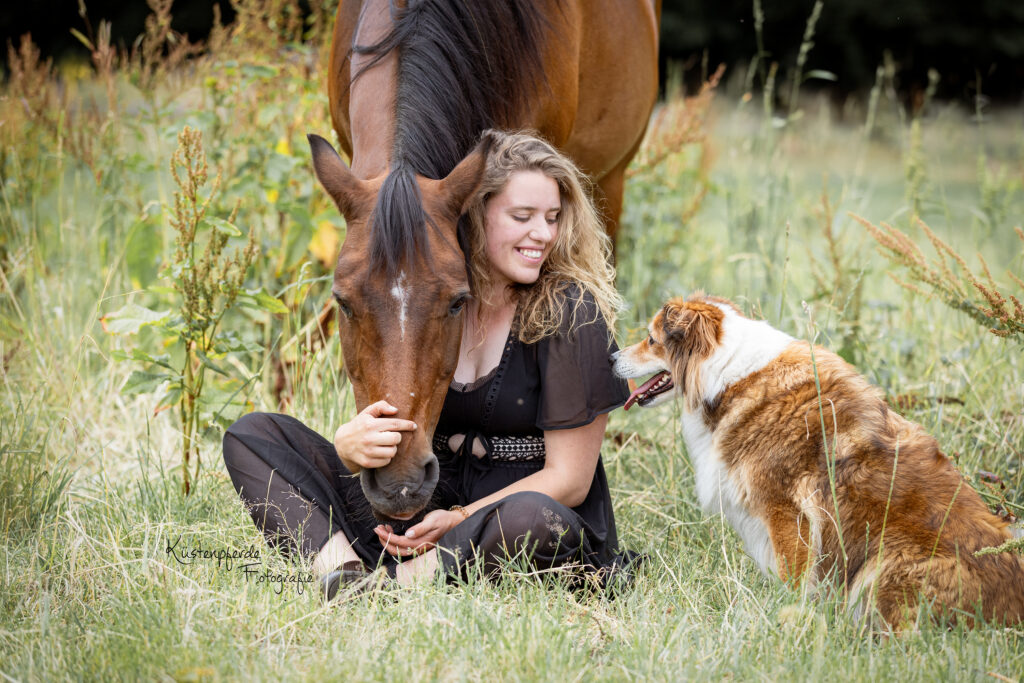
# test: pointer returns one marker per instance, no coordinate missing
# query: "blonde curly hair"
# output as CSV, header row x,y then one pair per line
x,y
581,254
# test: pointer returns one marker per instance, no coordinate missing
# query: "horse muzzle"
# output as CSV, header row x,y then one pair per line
x,y
399,494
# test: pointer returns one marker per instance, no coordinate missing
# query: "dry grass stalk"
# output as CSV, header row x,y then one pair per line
x,y
37,105
680,122
951,279
840,282
256,21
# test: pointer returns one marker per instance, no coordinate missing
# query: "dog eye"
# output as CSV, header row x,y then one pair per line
x,y
651,340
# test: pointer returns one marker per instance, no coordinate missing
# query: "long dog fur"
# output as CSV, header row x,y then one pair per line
x,y
899,525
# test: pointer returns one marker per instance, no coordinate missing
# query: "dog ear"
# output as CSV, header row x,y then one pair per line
x,y
694,328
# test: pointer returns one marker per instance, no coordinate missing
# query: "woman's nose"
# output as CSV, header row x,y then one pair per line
x,y
541,230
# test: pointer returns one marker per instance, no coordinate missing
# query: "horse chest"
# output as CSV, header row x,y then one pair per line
x,y
721,492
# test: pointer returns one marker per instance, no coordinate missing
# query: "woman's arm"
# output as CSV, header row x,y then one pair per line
x,y
569,464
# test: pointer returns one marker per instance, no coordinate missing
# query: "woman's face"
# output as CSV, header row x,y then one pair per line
x,y
521,224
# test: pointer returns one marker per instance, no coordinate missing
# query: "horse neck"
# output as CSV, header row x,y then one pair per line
x,y
372,98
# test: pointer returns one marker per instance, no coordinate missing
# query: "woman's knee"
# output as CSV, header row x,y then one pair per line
x,y
251,424
539,517
523,502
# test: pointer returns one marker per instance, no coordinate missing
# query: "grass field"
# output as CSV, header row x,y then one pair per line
x,y
750,204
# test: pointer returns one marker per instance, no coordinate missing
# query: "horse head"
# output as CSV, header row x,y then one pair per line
x,y
401,286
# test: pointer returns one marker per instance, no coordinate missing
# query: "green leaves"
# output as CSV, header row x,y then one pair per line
x,y
263,300
132,318
162,360
141,382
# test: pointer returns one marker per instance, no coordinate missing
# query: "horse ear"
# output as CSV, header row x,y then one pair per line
x,y
461,184
347,191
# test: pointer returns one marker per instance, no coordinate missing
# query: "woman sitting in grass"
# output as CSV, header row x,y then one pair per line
x,y
519,436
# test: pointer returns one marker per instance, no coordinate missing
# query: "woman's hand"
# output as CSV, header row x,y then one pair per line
x,y
420,538
370,439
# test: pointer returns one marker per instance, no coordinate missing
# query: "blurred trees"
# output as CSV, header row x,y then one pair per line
x,y
961,40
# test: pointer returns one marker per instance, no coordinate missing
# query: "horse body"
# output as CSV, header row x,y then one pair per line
x,y
410,90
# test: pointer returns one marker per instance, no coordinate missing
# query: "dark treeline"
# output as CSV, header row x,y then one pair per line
x,y
960,39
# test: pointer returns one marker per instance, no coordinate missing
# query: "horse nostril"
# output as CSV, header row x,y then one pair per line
x,y
368,480
431,472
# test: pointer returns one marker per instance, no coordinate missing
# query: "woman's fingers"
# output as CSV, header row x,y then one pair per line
x,y
376,459
378,409
377,412
401,545
394,425
386,438
429,525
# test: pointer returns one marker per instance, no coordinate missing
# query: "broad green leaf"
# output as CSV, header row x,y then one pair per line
x,y
143,250
205,360
140,382
131,319
169,398
229,342
263,300
162,360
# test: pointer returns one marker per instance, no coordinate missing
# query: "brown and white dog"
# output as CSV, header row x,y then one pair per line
x,y
822,481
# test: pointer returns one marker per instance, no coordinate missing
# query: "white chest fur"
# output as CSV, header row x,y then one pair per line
x,y
746,347
722,493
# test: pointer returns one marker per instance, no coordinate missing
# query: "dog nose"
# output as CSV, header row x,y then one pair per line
x,y
614,357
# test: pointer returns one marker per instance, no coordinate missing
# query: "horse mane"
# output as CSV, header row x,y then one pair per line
x,y
463,67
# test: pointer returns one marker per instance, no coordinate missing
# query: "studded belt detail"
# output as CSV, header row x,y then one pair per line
x,y
498,448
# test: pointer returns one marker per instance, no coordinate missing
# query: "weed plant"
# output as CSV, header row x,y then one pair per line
x,y
107,571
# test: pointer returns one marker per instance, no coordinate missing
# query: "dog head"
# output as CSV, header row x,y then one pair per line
x,y
682,335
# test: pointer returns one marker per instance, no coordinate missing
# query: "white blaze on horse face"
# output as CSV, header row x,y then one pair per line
x,y
401,294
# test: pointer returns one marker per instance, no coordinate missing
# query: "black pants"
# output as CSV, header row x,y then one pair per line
x,y
299,495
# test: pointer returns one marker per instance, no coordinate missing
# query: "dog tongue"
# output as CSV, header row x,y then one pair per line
x,y
641,390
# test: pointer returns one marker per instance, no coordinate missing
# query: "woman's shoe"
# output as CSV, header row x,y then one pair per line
x,y
354,578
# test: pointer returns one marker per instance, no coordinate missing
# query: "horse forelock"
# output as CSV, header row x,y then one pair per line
x,y
398,221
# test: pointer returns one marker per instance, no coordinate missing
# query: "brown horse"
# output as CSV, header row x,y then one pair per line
x,y
412,85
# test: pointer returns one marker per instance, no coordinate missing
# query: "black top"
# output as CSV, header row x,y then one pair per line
x,y
561,382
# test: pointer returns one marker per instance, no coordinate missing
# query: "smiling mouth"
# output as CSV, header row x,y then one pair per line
x,y
646,392
530,253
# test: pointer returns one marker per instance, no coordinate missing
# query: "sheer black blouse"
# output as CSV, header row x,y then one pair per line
x,y
561,382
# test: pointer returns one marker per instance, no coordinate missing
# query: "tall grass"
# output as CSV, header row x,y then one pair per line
x,y
728,198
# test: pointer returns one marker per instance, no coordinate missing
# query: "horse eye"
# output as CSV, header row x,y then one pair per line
x,y
343,305
458,303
